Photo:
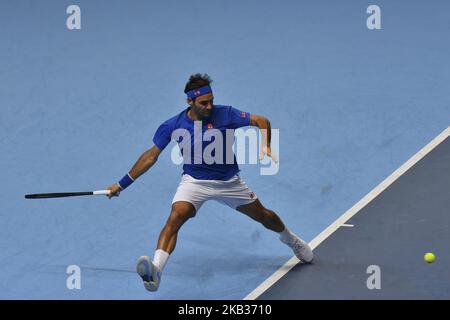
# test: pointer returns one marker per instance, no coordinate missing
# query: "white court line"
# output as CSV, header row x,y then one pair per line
x,y
348,225
350,213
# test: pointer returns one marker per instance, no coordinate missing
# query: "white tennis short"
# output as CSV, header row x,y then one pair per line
x,y
233,192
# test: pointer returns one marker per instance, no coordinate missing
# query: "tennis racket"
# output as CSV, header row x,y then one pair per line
x,y
66,194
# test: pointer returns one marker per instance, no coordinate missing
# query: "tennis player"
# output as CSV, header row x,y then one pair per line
x,y
202,180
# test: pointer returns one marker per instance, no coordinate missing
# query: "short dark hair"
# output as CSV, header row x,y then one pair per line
x,y
196,81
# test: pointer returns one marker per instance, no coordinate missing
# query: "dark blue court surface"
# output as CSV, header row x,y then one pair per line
x,y
392,232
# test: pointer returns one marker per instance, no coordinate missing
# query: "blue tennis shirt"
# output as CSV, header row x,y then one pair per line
x,y
221,118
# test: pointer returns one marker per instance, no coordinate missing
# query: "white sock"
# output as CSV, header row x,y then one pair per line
x,y
287,237
160,259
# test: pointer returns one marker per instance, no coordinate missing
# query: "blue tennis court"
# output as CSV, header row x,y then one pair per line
x,y
352,105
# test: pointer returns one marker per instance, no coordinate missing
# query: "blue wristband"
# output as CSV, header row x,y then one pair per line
x,y
125,181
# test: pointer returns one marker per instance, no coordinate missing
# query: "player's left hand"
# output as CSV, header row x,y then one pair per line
x,y
267,151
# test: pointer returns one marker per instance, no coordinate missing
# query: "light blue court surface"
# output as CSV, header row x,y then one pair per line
x,y
79,107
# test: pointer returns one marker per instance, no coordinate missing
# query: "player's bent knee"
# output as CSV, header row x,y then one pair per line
x,y
179,216
184,206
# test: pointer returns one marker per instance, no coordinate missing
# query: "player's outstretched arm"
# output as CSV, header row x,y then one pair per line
x,y
145,162
264,125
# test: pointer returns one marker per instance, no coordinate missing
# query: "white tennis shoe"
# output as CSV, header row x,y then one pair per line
x,y
149,273
302,250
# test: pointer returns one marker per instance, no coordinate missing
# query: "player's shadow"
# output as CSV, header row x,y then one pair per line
x,y
90,270
205,268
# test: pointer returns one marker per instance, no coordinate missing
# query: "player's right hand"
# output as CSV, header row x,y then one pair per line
x,y
114,190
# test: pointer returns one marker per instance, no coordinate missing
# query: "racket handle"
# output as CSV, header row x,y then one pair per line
x,y
101,192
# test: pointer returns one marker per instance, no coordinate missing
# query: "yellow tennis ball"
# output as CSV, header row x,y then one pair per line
x,y
429,257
